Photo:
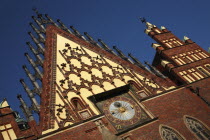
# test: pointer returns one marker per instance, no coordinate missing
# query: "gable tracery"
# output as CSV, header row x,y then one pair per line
x,y
82,73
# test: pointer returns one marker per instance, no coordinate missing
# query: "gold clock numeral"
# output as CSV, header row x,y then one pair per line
x,y
118,126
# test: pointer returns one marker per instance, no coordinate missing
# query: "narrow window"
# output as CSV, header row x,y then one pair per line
x,y
179,43
203,71
198,128
189,58
77,103
197,73
185,58
177,60
208,67
187,77
156,30
168,133
203,53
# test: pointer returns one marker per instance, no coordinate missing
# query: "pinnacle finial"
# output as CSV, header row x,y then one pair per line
x,y
143,20
36,11
186,38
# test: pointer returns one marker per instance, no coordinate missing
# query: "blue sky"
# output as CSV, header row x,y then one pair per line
x,y
115,22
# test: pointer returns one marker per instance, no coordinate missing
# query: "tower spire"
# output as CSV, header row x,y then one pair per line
x,y
25,108
35,105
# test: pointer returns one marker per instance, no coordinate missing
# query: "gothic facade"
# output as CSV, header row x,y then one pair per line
x,y
90,91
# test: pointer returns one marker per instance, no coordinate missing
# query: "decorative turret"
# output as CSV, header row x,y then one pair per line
x,y
38,72
120,54
105,47
77,33
62,26
25,108
33,80
154,70
90,39
35,105
138,63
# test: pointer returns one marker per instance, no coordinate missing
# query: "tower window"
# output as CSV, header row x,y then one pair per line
x,y
178,60
168,133
7,132
207,66
198,128
187,76
195,74
203,71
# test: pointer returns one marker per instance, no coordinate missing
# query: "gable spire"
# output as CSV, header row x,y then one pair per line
x,y
63,26
120,54
106,47
33,80
137,62
77,33
35,105
35,51
91,39
25,108
41,37
37,41
38,72
154,70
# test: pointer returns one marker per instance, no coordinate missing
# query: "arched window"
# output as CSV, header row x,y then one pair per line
x,y
77,103
197,127
168,133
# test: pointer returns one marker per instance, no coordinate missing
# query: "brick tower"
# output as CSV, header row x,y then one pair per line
x,y
89,91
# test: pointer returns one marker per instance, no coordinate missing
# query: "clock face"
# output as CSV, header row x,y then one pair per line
x,y
122,110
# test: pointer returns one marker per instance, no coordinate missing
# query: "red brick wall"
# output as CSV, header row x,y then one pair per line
x,y
170,110
87,131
